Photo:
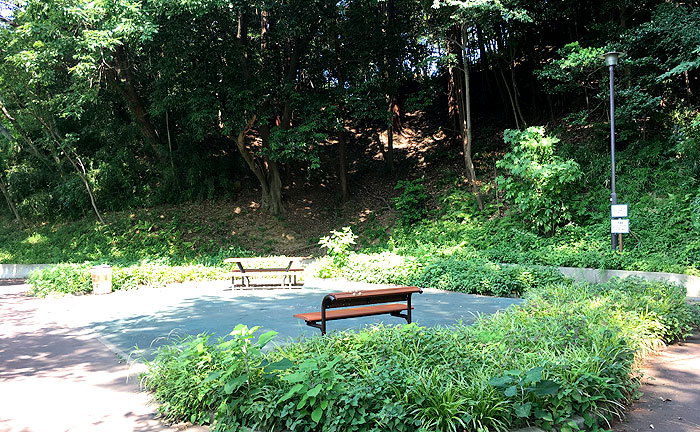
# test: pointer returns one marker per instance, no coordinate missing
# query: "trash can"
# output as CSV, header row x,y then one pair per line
x,y
101,279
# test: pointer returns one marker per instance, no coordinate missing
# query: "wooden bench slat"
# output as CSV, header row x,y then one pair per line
x,y
262,274
376,292
353,312
262,259
265,270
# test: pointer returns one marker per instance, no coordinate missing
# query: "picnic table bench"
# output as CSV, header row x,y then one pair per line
x,y
287,273
354,304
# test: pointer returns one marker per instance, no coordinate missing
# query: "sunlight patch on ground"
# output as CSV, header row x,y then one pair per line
x,y
34,239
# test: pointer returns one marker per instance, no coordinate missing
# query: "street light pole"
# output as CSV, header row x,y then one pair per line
x,y
611,60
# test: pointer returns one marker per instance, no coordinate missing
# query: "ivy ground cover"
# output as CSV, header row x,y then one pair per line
x,y
570,350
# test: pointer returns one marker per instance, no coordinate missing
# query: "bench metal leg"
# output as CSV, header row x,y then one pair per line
x,y
315,324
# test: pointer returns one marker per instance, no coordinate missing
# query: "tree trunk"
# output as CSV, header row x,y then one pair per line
x,y
121,78
75,162
343,134
389,155
274,201
512,102
466,117
33,148
343,164
272,193
516,93
10,203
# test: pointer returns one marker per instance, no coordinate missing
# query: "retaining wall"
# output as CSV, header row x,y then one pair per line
x,y
691,283
19,271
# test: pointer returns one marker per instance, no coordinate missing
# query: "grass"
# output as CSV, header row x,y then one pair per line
x,y
571,350
168,236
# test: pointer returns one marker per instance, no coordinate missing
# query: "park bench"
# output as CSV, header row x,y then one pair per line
x,y
288,274
354,304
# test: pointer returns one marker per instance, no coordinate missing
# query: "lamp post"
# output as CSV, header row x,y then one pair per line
x,y
611,61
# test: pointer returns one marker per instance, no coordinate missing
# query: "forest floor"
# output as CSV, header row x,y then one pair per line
x,y
314,206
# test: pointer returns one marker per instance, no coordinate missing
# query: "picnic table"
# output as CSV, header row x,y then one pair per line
x,y
250,267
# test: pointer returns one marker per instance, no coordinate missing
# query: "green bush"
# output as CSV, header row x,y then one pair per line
x,y
338,245
76,278
61,279
462,274
411,203
570,350
539,184
695,213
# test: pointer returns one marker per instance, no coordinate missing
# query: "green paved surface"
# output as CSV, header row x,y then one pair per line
x,y
147,318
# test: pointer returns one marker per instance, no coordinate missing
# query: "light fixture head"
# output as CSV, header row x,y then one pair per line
x,y
611,58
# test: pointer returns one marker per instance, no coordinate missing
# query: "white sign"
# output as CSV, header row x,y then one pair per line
x,y
620,226
618,210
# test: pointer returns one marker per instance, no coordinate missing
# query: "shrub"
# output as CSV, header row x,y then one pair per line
x,y
411,203
695,213
338,246
462,274
570,350
76,278
61,279
386,267
539,184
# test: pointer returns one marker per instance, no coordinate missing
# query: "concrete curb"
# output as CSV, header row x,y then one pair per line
x,y
19,271
691,283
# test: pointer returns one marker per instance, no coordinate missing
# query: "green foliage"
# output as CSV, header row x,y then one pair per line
x,y
482,277
76,278
385,267
695,213
61,279
570,350
411,204
539,184
165,236
193,376
468,275
572,72
338,245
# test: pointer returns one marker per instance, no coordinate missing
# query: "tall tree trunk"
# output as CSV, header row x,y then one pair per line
x,y
10,203
516,93
466,117
266,171
389,154
272,200
343,164
512,102
343,134
454,84
121,78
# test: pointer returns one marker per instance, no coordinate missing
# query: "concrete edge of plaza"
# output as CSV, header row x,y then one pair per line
x,y
691,283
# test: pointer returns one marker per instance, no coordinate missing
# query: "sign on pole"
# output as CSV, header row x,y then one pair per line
x,y
620,226
619,210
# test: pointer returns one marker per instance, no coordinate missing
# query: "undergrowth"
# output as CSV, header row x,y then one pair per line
x,y
570,350
467,274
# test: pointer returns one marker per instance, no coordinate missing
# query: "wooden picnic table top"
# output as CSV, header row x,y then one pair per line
x,y
261,259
